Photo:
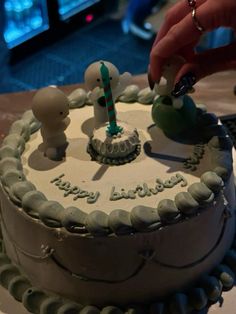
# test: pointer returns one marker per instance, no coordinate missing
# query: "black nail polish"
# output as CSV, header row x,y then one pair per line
x,y
184,85
150,80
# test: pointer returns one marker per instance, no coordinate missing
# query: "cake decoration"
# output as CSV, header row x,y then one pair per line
x,y
126,231
51,107
113,128
172,115
94,82
110,143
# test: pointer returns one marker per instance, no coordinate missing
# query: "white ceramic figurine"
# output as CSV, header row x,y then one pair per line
x,y
166,84
51,107
93,81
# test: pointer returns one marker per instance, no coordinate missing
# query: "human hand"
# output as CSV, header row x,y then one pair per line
x,y
179,36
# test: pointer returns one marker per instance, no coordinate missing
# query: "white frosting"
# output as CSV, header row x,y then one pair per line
x,y
94,177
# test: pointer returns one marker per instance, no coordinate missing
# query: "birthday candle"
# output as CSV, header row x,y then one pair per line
x,y
113,129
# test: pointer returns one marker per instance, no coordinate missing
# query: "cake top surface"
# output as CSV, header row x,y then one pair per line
x,y
89,185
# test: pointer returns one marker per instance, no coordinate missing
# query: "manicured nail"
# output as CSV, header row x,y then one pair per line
x,y
150,80
184,84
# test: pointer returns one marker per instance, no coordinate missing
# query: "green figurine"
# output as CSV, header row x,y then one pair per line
x,y
174,121
173,115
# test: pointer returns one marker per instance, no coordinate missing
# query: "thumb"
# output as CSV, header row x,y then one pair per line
x,y
209,62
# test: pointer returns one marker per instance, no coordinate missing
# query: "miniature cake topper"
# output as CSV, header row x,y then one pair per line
x,y
110,143
172,115
51,107
93,81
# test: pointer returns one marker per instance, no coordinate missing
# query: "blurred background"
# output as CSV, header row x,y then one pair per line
x,y
51,42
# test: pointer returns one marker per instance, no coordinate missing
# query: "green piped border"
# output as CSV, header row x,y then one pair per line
x,y
141,219
207,290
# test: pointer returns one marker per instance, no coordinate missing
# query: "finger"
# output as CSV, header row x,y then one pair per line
x,y
212,61
181,34
188,52
175,14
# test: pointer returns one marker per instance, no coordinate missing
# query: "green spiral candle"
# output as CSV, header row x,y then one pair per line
x,y
113,128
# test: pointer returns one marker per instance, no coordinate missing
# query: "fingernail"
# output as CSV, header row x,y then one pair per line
x,y
184,84
150,80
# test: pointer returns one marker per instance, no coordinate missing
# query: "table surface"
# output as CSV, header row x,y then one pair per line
x,y
216,92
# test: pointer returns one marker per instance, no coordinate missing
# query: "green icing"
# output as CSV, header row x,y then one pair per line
x,y
198,299
70,189
212,288
15,141
174,121
73,219
8,151
31,203
119,221
11,177
111,310
51,305
70,308
10,163
186,203
50,212
7,273
143,190
168,211
89,309
145,218
201,193
18,285
225,275
33,298
212,181
195,157
21,128
97,223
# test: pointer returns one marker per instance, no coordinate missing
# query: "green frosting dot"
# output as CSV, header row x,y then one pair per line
x,y
212,287
31,203
186,203
50,212
8,151
168,211
119,221
17,287
73,219
51,305
145,218
7,273
111,310
33,298
90,310
70,308
97,223
138,309
201,193
212,181
225,275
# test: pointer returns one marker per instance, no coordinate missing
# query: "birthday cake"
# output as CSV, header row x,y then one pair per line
x,y
116,207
